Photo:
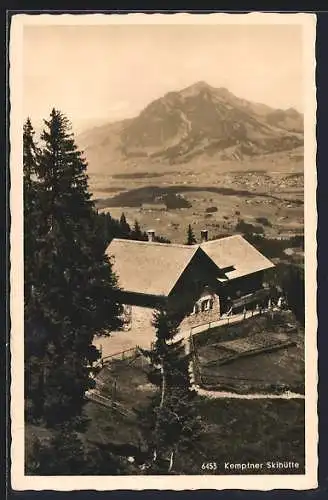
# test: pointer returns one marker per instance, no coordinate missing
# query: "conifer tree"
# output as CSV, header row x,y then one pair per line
x,y
191,240
109,228
136,231
31,208
34,338
124,226
173,424
75,285
30,152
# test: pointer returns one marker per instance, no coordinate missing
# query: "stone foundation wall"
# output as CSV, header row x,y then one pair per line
x,y
138,319
202,317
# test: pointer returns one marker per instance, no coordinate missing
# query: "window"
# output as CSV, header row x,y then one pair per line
x,y
204,305
196,309
208,304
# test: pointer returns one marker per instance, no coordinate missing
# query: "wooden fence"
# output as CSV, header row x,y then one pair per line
x,y
231,319
96,397
127,353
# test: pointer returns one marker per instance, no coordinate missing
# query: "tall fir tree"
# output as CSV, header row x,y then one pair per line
x,y
172,424
191,240
124,227
31,206
75,286
34,334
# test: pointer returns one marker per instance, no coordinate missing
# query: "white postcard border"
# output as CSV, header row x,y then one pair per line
x,y
218,482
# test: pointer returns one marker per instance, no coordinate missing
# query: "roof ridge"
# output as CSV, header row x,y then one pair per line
x,y
175,245
224,238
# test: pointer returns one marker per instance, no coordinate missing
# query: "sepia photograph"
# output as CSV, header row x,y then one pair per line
x,y
163,251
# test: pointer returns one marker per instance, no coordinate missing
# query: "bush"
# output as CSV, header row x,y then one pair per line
x,y
264,221
273,248
290,278
247,228
174,201
211,210
297,241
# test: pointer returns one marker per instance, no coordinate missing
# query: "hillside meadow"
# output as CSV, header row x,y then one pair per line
x,y
217,196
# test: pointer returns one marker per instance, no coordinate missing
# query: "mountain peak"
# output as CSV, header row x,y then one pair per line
x,y
201,85
195,88
201,120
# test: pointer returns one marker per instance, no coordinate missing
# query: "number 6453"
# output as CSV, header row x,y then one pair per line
x,y
209,466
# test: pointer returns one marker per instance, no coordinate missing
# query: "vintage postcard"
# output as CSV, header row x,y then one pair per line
x,y
163,251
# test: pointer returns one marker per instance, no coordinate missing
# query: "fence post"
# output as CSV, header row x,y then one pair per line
x,y
114,390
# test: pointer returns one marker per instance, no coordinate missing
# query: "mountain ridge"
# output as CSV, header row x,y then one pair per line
x,y
199,120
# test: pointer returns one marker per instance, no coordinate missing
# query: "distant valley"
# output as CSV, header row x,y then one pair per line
x,y
208,157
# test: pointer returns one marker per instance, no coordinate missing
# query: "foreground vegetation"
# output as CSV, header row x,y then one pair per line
x,y
232,430
69,297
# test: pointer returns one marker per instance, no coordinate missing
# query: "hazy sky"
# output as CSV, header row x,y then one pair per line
x,y
96,74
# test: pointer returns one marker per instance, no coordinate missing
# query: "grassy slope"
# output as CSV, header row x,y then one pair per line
x,y
235,430
251,431
261,372
250,326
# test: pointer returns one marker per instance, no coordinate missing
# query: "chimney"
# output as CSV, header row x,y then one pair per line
x,y
204,235
151,235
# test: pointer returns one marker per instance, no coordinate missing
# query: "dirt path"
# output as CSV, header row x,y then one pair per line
x,y
232,395
123,340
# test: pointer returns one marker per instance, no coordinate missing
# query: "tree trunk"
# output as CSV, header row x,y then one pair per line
x,y
171,461
163,389
163,385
